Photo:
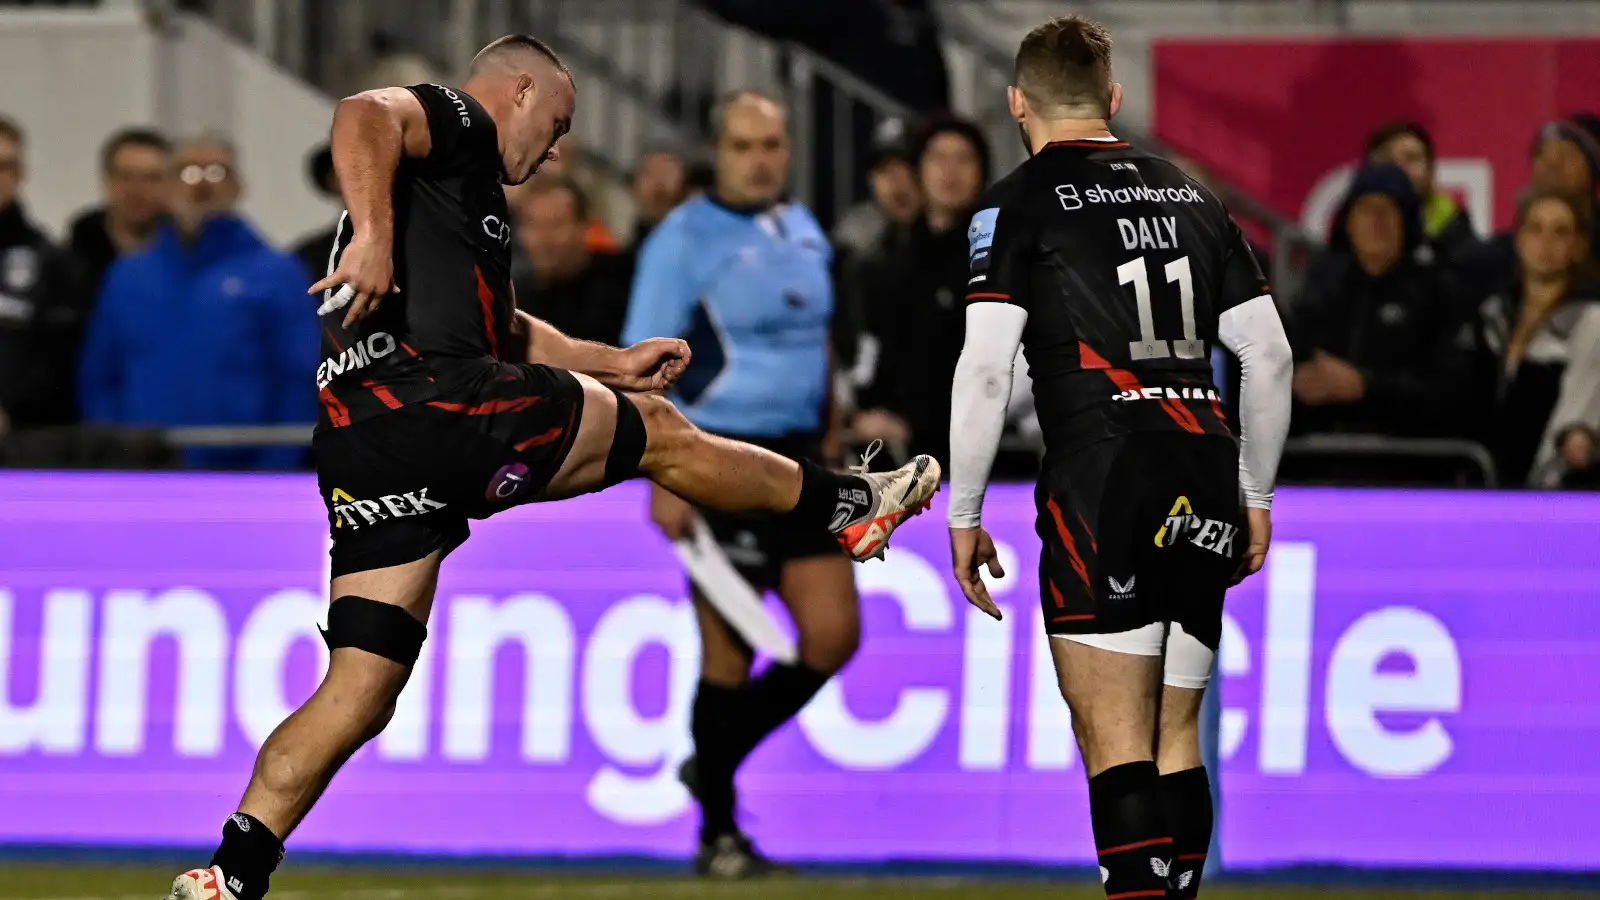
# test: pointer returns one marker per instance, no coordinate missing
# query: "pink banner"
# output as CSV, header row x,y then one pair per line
x,y
1284,118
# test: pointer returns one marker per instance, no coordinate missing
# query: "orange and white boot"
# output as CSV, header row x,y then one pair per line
x,y
895,497
201,884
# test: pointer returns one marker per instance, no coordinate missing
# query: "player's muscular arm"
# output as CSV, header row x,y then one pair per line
x,y
372,131
651,365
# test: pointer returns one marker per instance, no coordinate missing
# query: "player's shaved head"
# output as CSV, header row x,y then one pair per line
x,y
752,163
529,93
1064,69
516,51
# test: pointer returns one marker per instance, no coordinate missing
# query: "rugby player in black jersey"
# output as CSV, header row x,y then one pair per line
x,y
443,403
1117,274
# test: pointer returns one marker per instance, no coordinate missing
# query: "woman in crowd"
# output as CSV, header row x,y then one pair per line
x,y
1526,337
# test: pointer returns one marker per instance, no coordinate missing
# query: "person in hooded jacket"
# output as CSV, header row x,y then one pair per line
x,y
1378,338
208,326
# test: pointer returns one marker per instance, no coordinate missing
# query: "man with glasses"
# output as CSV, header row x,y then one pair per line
x,y
208,326
41,308
133,185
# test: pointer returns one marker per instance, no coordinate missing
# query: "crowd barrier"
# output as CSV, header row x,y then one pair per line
x,y
1409,683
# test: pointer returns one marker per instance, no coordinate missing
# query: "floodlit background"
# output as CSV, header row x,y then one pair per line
x,y
1406,698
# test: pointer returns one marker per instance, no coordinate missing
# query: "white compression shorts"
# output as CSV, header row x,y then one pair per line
x,y
1187,664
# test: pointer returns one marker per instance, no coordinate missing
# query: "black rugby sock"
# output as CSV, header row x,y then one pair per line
x,y
1188,796
768,702
830,500
249,854
1131,834
711,723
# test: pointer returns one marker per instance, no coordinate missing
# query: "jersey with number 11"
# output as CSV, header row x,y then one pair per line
x,y
1124,264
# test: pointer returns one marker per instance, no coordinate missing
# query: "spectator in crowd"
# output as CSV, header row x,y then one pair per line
x,y
133,187
580,292
1525,336
1376,332
209,326
910,293
42,307
1569,453
567,162
394,62
1410,146
660,182
896,197
316,250
1565,160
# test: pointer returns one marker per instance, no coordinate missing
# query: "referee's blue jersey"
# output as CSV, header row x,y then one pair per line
x,y
752,294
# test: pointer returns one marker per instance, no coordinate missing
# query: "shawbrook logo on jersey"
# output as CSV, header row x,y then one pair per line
x,y
357,356
1072,199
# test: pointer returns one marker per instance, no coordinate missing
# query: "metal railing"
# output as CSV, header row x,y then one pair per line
x,y
1377,447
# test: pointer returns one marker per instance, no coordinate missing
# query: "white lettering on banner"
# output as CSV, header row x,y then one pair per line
x,y
920,713
1233,659
478,629
274,626
1051,744
1286,667
57,719
185,630
1357,690
985,719
406,738
624,631
131,623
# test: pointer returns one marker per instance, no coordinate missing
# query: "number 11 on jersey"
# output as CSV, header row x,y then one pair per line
x,y
1148,346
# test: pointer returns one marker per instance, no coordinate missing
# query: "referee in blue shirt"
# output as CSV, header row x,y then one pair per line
x,y
745,278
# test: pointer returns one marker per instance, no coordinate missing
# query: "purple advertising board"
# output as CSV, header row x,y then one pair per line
x,y
1410,683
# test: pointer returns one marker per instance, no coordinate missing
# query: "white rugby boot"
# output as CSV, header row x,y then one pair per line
x,y
201,884
895,497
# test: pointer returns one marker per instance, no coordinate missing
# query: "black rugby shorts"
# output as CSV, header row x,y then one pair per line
x,y
403,484
1141,528
760,546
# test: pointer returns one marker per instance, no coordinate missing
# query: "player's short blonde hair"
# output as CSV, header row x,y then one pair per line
x,y
1064,68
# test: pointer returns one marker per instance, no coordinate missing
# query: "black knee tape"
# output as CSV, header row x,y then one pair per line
x,y
380,628
627,446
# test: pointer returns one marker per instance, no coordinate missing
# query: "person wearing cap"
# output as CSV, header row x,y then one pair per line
x,y
896,197
1410,146
909,293
1375,329
1564,159
314,250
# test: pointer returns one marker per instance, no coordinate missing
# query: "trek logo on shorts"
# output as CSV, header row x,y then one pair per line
x,y
357,356
1207,534
357,513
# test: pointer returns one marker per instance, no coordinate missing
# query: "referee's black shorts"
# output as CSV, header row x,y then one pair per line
x,y
1142,528
401,485
760,546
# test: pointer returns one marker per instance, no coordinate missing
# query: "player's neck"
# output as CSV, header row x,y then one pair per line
x,y
1043,132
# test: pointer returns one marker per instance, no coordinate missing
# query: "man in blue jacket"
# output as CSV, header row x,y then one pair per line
x,y
209,326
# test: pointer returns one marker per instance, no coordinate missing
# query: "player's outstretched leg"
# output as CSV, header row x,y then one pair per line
x,y
376,630
1113,697
625,435
1184,781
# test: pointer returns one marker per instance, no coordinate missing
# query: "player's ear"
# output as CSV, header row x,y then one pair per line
x,y
1017,103
525,88
1116,100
